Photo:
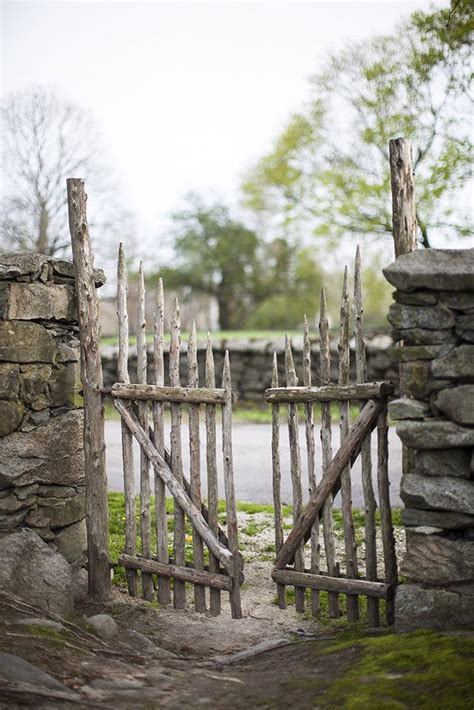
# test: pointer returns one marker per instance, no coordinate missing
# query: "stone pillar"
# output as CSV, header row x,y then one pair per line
x,y
433,317
41,415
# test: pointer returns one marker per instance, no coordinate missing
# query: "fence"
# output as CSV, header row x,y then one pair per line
x,y
372,398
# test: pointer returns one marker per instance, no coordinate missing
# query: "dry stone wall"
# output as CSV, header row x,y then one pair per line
x,y
41,415
251,362
433,320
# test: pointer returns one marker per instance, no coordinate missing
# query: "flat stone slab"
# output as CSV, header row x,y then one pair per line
x,y
22,341
406,408
438,561
427,317
52,453
457,403
27,265
443,462
438,493
33,301
413,517
434,434
458,364
448,269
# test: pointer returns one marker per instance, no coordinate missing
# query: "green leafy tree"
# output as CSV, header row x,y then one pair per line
x,y
216,255
328,173
289,288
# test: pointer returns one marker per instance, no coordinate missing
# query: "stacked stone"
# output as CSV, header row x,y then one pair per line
x,y
41,415
433,318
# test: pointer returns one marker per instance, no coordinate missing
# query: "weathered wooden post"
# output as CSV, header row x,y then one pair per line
x,y
404,224
91,375
403,196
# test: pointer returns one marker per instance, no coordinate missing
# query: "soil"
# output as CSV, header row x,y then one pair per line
x,y
167,658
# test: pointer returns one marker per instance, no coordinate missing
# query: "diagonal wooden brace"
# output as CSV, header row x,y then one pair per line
x,y
363,425
163,470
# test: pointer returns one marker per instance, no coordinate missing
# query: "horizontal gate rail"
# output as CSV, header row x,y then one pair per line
x,y
325,583
183,395
185,574
328,393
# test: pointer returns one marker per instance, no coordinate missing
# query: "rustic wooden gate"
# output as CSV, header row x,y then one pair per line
x,y
317,516
223,570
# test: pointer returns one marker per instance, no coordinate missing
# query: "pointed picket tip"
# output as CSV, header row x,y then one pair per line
x,y
345,281
292,379
175,317
160,293
121,256
323,312
305,332
192,343
210,369
275,370
226,378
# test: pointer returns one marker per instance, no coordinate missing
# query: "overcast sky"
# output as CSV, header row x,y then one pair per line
x,y
187,95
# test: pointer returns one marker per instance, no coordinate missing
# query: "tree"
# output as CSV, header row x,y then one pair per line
x,y
290,286
45,140
215,255
328,173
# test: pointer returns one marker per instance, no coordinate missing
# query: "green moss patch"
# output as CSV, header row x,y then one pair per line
x,y
423,670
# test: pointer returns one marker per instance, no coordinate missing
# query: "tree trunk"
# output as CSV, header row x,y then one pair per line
x,y
225,308
42,241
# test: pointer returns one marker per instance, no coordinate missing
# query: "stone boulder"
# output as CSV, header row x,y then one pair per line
x,y
31,570
104,625
420,608
71,542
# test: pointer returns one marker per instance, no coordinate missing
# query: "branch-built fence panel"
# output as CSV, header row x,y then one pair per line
x,y
315,521
216,561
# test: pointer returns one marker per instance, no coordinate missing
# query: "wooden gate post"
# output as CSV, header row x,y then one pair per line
x,y
91,375
403,197
404,221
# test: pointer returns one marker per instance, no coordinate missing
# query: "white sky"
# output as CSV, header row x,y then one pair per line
x,y
187,95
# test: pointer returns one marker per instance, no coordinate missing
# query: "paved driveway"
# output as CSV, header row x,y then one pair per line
x,y
252,462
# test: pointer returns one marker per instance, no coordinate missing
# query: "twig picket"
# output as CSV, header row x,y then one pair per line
x,y
224,570
308,523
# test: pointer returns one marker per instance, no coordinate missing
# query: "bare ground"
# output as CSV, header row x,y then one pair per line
x,y
168,658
